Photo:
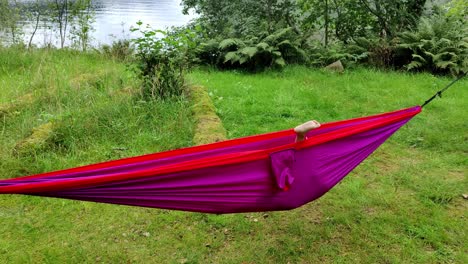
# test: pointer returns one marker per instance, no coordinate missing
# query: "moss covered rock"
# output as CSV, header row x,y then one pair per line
x,y
209,127
39,139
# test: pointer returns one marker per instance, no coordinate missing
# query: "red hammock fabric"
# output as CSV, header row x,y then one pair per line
x,y
258,173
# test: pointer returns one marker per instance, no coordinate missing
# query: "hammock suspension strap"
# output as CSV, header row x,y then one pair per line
x,y
439,93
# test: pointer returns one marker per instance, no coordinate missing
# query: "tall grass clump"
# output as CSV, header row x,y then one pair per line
x,y
121,49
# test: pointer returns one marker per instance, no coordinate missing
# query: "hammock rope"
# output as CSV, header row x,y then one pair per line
x,y
439,93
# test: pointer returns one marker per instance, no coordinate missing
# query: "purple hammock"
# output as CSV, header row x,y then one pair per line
x,y
258,173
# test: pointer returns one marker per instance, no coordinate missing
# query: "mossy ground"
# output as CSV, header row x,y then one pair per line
x,y
208,126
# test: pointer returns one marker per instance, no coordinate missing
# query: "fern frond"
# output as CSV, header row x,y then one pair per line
x,y
232,57
231,44
414,65
263,46
277,53
418,57
243,60
445,64
249,51
280,62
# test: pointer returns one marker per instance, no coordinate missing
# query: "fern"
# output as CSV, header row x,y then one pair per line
x,y
439,44
419,58
232,57
231,44
277,50
414,65
280,62
249,51
263,46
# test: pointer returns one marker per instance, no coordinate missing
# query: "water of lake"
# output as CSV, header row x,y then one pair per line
x,y
113,19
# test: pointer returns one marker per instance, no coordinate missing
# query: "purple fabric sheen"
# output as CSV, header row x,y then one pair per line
x,y
282,163
251,186
246,187
265,144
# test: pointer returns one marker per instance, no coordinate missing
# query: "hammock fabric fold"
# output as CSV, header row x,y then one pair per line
x,y
258,173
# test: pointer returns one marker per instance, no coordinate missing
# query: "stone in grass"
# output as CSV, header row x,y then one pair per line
x,y
336,66
38,140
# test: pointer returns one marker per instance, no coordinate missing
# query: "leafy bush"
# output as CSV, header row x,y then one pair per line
x,y
208,53
256,53
322,56
440,45
163,57
376,52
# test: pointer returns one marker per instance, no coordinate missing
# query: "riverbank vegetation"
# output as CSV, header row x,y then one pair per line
x,y
414,35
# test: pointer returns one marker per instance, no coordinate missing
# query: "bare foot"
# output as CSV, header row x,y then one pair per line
x,y
301,130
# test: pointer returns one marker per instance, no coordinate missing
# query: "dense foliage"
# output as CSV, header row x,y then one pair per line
x,y
254,35
439,44
273,50
162,60
388,34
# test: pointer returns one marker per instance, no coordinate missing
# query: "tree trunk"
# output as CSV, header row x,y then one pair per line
x,y
326,23
35,28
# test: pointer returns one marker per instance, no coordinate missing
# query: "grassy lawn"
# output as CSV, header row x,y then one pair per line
x,y
88,97
402,205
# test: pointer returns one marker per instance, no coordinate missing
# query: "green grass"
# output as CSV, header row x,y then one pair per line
x,y
87,96
402,205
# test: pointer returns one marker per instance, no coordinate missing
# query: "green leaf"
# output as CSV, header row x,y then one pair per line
x,y
262,45
420,58
285,43
231,44
231,56
277,53
445,64
249,51
280,62
243,59
414,65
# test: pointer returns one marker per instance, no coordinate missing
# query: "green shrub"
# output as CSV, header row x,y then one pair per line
x,y
321,56
163,57
208,53
256,53
121,49
376,52
439,45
